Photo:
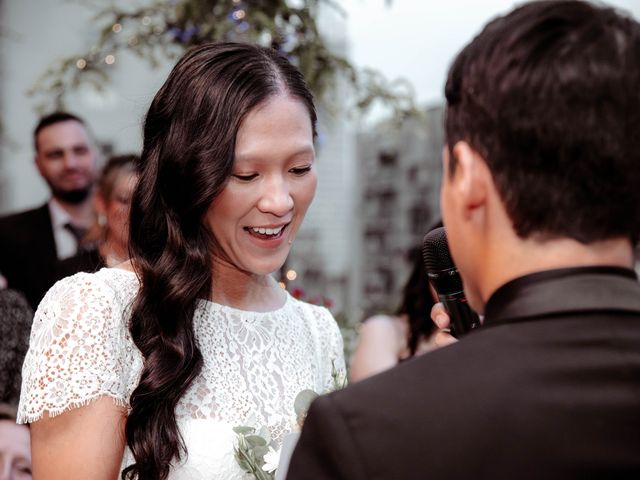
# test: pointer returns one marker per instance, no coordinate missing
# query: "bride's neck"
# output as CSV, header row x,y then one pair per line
x,y
245,291
112,254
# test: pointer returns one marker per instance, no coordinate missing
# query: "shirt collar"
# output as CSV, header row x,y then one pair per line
x,y
564,291
59,216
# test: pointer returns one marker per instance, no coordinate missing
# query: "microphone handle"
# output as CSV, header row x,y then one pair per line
x,y
462,318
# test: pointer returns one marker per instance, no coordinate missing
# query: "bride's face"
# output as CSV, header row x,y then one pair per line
x,y
257,215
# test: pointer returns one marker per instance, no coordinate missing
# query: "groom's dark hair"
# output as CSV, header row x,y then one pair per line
x,y
549,95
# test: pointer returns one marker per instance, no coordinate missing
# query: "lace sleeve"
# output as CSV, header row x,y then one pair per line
x,y
79,349
334,370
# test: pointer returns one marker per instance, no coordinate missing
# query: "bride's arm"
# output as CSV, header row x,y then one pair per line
x,y
82,443
76,380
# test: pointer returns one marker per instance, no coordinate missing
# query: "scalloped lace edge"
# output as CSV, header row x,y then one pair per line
x,y
23,418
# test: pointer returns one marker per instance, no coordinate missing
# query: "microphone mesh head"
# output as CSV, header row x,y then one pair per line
x,y
435,251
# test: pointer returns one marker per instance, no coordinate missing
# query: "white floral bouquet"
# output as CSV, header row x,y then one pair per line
x,y
255,451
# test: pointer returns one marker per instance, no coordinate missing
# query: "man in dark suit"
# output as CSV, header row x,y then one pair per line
x,y
541,201
32,242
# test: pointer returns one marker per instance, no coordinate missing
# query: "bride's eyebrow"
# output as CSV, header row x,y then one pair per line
x,y
258,156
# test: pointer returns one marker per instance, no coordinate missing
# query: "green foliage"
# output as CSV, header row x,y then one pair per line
x,y
251,449
161,30
302,403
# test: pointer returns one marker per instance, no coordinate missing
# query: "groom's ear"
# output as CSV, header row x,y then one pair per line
x,y
469,179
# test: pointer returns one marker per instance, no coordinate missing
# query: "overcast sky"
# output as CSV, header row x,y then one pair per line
x,y
418,38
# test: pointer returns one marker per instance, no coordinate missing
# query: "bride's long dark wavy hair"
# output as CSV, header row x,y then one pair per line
x,y
188,153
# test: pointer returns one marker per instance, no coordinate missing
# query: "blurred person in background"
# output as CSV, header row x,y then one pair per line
x,y
15,450
32,242
110,233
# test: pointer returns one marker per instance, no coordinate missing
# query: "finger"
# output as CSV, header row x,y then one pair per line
x,y
439,316
442,338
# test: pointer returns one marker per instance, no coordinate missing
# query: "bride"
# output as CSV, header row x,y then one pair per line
x,y
142,371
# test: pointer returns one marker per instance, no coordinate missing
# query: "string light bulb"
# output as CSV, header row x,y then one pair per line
x,y
291,275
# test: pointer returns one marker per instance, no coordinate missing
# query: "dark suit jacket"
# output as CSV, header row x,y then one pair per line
x,y
28,254
548,388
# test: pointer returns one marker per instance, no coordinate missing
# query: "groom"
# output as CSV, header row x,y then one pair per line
x,y
541,201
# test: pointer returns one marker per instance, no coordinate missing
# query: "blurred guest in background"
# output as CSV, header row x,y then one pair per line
x,y
15,451
110,234
385,340
15,324
32,242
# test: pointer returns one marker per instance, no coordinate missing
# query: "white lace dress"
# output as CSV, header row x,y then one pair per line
x,y
255,364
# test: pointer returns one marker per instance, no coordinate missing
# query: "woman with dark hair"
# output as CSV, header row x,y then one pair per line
x,y
144,369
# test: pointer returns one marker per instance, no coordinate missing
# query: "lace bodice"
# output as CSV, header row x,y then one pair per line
x,y
255,364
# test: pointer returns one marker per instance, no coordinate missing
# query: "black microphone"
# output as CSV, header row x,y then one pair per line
x,y
445,279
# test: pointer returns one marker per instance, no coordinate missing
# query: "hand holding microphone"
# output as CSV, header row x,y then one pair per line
x,y
445,279
441,337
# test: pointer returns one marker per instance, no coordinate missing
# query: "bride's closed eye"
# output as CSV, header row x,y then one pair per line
x,y
301,170
245,178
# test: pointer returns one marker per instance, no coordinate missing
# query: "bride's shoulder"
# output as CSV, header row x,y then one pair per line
x,y
80,347
309,308
115,279
89,295
319,315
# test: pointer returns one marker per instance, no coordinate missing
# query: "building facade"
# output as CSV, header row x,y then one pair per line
x,y
401,170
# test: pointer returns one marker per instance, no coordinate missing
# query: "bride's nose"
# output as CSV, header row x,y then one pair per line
x,y
275,197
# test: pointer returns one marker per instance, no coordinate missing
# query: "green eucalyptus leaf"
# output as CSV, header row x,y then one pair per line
x,y
260,451
242,430
256,441
264,433
303,402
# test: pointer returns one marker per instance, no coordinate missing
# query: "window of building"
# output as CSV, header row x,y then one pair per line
x,y
419,218
388,159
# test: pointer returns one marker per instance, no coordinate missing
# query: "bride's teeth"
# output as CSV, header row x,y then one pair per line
x,y
267,231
